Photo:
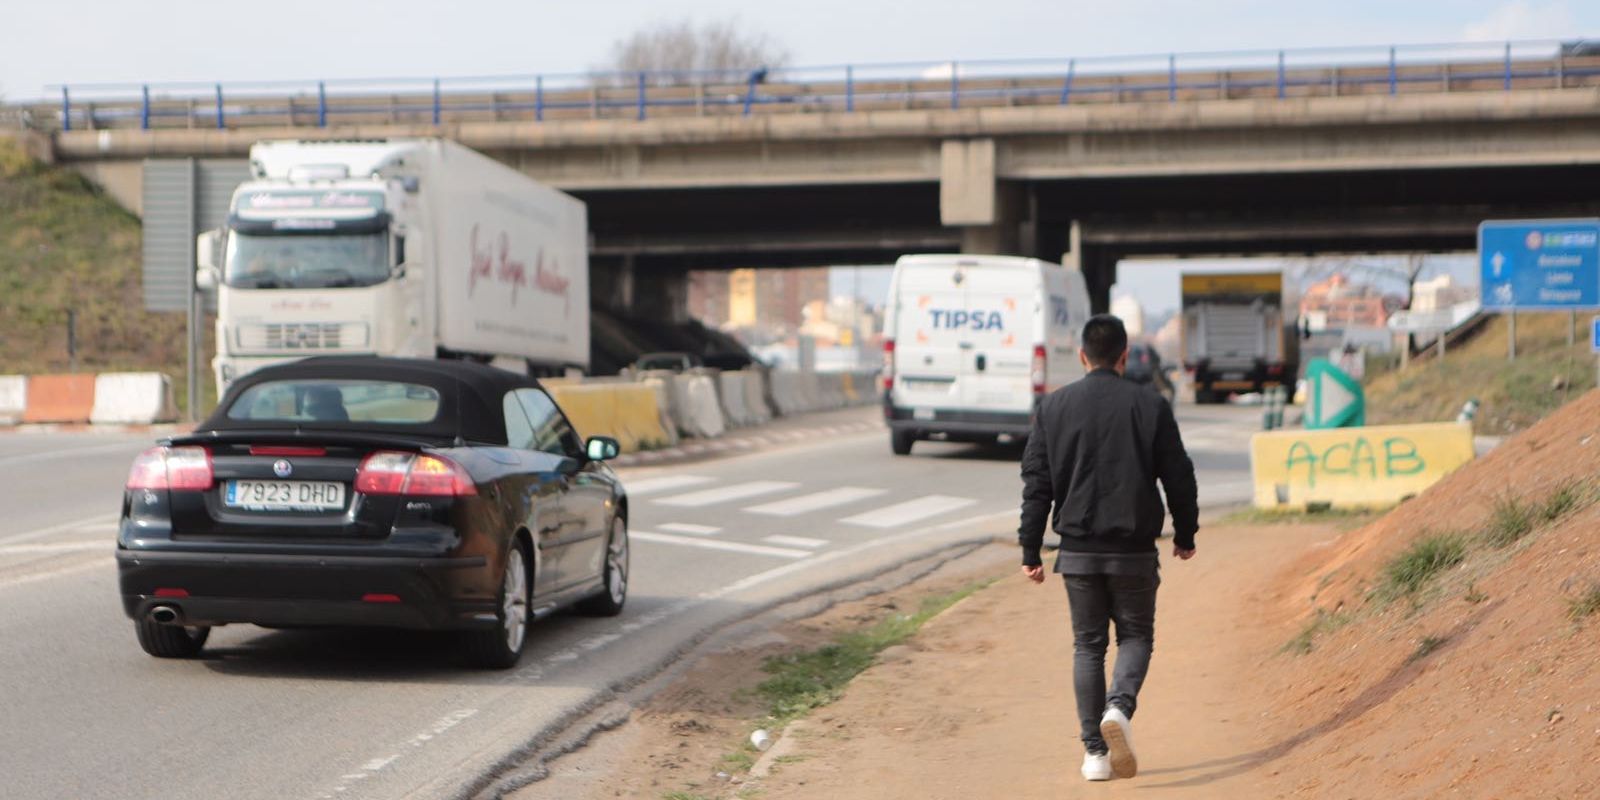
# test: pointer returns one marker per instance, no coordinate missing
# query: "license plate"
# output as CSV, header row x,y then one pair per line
x,y
1233,376
922,385
922,413
284,495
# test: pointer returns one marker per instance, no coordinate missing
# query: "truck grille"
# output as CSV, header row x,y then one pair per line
x,y
292,336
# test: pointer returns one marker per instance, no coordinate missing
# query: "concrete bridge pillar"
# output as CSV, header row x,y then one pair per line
x,y
626,287
993,215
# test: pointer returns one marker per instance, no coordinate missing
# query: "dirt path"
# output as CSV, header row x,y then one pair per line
x,y
980,705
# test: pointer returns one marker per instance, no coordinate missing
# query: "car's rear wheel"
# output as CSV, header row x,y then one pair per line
x,y
501,647
615,578
171,641
900,441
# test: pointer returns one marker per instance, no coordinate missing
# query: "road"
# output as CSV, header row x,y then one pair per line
x,y
323,714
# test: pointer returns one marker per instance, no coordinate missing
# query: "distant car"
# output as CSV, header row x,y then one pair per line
x,y
1144,366
438,495
669,362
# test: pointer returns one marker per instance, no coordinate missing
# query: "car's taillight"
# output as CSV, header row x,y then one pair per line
x,y
888,364
1039,362
186,469
389,472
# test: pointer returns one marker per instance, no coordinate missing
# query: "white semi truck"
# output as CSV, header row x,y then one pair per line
x,y
419,248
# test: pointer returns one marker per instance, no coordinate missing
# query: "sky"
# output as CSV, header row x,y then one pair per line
x,y
116,41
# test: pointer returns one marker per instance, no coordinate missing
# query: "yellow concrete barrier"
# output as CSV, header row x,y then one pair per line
x,y
628,412
1354,467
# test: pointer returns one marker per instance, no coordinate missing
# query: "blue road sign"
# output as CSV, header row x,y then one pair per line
x,y
1540,264
1594,334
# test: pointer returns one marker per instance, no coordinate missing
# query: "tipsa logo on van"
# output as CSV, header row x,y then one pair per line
x,y
962,319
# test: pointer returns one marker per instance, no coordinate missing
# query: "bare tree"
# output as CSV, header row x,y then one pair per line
x,y
674,50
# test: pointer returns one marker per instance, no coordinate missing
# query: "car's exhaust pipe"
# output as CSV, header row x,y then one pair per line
x,y
165,615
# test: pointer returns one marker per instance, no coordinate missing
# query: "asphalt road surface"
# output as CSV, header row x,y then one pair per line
x,y
323,714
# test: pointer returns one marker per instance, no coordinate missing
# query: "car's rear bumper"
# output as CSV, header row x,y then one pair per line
x,y
287,590
974,423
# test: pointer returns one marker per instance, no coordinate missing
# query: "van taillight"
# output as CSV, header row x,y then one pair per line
x,y
1040,360
413,475
888,364
185,469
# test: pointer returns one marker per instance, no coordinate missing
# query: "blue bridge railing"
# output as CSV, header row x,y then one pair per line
x,y
848,88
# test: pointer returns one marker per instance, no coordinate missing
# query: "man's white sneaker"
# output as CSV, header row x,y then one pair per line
x,y
1096,767
1118,733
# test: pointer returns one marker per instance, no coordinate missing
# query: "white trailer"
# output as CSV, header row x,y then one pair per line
x,y
420,248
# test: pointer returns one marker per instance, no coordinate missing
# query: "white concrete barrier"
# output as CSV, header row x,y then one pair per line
x,y
132,398
697,398
664,407
730,389
13,398
755,397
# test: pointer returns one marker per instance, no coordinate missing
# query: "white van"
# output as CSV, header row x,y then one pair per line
x,y
973,342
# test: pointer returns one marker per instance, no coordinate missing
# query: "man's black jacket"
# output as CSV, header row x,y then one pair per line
x,y
1097,448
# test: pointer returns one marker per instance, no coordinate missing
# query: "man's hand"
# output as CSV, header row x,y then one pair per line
x,y
1182,553
1035,574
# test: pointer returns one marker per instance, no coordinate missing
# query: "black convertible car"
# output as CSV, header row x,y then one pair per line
x,y
374,492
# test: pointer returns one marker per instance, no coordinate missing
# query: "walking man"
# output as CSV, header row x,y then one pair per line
x,y
1097,449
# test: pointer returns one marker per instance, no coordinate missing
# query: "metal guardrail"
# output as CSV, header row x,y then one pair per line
x,y
1170,78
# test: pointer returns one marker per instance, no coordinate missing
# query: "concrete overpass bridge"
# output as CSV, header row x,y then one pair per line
x,y
1391,150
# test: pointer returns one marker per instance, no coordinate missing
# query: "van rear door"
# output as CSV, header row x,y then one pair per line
x,y
997,336
927,349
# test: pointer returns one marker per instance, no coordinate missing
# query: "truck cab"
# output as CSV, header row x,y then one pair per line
x,y
314,259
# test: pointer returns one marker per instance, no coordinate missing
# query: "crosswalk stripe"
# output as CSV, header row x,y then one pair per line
x,y
664,483
684,527
725,494
813,502
909,511
719,544
795,541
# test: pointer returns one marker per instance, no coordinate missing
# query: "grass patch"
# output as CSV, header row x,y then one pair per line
x,y
1305,641
1273,516
1474,595
739,760
683,796
815,678
1584,605
1514,394
1426,648
1570,497
1511,520
1408,572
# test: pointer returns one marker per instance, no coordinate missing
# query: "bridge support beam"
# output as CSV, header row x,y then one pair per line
x,y
991,214
625,287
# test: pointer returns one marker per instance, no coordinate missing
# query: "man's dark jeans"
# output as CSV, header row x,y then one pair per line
x,y
1096,600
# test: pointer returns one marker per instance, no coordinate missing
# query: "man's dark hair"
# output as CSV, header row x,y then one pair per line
x,y
1105,339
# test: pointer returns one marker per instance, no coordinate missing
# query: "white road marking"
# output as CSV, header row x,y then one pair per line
x,y
812,502
795,541
34,577
48,455
719,544
82,524
726,494
663,484
692,530
63,547
909,511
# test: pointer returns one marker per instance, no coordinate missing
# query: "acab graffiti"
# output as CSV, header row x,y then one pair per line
x,y
1391,457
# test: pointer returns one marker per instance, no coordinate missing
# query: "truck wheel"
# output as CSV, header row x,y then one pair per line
x,y
900,441
1204,397
170,641
501,646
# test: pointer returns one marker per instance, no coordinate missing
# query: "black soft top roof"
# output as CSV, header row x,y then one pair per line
x,y
470,396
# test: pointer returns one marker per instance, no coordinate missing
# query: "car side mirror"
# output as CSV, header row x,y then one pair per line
x,y
602,448
206,279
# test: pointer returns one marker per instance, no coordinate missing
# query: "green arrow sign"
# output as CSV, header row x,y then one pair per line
x,y
1336,398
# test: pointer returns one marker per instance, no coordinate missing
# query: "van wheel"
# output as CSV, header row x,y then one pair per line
x,y
900,441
